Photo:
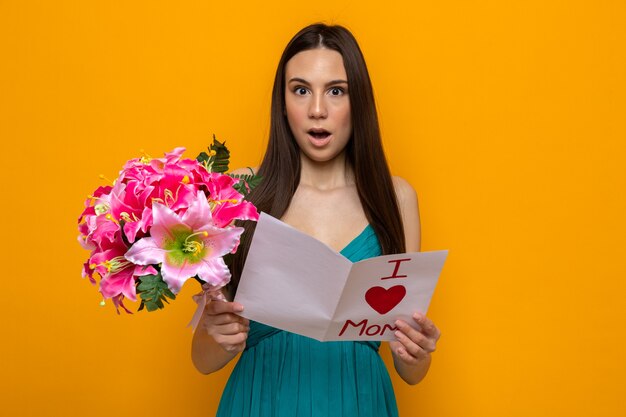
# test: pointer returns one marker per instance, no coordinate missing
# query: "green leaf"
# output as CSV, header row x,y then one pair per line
x,y
145,286
151,306
153,291
222,157
246,182
217,159
202,158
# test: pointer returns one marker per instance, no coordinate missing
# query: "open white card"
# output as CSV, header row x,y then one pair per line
x,y
294,282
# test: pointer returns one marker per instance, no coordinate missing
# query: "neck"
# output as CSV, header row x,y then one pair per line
x,y
326,175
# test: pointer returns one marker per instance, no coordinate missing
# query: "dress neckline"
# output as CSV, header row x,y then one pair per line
x,y
356,238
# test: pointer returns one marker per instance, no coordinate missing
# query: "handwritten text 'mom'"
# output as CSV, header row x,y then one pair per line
x,y
373,330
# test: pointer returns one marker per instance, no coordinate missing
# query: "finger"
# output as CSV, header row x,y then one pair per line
x,y
225,318
424,341
227,341
219,307
408,330
414,348
237,348
231,328
427,326
405,356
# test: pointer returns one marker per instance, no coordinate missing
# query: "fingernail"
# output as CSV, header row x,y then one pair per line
x,y
398,334
418,316
238,307
400,351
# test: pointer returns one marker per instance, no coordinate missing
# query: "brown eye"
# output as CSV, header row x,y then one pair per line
x,y
300,91
336,91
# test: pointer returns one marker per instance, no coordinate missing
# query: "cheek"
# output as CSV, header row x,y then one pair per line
x,y
346,120
295,113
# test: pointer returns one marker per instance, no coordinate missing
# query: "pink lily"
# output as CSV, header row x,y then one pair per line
x,y
118,275
186,245
229,204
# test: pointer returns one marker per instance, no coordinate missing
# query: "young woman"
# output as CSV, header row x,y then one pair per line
x,y
324,173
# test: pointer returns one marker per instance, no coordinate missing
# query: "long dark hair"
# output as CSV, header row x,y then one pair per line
x,y
280,168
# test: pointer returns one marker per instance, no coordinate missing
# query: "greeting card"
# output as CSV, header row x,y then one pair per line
x,y
294,282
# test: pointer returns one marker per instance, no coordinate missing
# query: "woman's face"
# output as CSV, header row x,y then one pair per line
x,y
317,103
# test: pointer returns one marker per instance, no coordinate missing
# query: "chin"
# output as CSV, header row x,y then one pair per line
x,y
320,156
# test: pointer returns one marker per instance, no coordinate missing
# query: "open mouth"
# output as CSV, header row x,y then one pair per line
x,y
319,133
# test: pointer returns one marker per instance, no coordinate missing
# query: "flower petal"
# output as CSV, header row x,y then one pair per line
x,y
130,230
176,275
214,271
172,157
88,273
118,301
199,213
141,270
221,241
145,252
121,283
164,220
224,214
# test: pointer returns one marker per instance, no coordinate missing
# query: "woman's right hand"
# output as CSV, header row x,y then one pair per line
x,y
227,328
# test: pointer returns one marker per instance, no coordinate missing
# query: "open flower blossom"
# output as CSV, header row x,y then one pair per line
x,y
186,245
161,222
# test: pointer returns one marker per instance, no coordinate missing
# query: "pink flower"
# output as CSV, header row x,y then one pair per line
x,y
171,181
164,213
186,245
228,203
118,274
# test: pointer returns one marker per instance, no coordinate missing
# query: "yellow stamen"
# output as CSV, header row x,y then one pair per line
x,y
228,200
101,208
102,177
145,159
116,264
110,217
169,195
194,246
186,179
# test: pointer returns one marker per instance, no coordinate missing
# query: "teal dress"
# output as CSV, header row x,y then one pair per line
x,y
282,374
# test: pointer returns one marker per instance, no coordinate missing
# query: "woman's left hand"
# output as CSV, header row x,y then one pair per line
x,y
413,346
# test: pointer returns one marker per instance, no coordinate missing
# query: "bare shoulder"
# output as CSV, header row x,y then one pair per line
x,y
404,190
244,171
409,210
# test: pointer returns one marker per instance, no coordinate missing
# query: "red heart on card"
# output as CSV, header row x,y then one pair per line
x,y
383,300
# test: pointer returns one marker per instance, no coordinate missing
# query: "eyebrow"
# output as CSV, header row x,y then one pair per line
x,y
303,81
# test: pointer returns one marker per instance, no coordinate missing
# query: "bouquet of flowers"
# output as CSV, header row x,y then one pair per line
x,y
163,221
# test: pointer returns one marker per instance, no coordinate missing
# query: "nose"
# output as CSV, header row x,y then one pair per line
x,y
317,107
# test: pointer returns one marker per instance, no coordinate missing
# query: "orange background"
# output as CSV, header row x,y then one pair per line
x,y
507,118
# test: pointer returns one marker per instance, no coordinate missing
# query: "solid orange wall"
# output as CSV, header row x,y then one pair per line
x,y
507,118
